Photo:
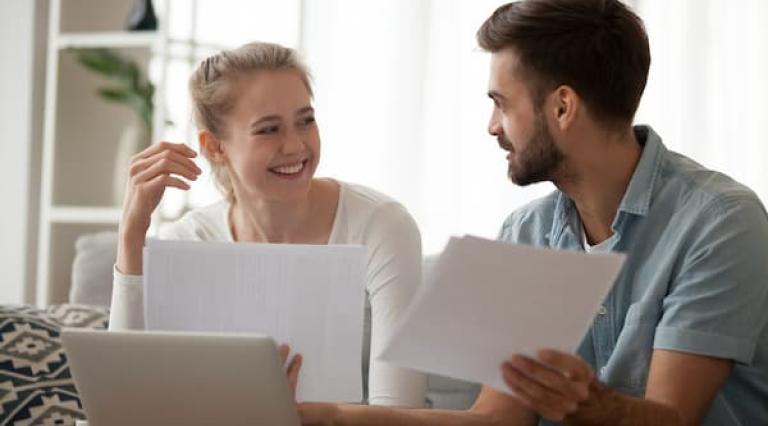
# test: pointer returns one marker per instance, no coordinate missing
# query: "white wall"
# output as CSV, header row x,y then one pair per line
x,y
402,107
19,148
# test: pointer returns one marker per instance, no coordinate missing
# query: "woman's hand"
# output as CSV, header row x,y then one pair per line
x,y
311,413
150,172
292,368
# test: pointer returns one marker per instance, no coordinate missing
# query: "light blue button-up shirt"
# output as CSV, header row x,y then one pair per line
x,y
695,278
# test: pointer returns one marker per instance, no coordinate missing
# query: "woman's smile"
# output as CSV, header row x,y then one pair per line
x,y
290,170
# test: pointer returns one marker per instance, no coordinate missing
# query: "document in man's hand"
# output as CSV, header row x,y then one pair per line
x,y
486,300
311,297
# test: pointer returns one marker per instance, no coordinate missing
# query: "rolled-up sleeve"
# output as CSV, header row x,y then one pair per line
x,y
717,304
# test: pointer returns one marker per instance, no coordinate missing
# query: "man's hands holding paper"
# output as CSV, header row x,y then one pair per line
x,y
553,384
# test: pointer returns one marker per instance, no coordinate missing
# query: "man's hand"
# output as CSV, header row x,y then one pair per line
x,y
553,384
292,368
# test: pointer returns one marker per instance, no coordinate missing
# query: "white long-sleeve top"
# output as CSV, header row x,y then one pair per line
x,y
364,217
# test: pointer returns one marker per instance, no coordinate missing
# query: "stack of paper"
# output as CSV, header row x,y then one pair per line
x,y
311,297
486,300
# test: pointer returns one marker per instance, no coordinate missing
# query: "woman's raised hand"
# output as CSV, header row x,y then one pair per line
x,y
160,166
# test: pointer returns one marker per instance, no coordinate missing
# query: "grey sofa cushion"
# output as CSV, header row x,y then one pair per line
x,y
95,256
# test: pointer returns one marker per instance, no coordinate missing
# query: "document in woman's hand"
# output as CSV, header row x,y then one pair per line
x,y
311,297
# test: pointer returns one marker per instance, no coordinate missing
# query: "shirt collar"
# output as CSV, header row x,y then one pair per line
x,y
640,191
637,198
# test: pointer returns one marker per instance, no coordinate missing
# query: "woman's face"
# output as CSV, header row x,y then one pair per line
x,y
273,144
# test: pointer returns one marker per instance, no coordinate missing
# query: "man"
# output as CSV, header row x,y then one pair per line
x,y
682,337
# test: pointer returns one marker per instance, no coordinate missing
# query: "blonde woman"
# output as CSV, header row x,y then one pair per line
x,y
253,106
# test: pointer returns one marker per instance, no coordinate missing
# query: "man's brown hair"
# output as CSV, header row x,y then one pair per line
x,y
597,47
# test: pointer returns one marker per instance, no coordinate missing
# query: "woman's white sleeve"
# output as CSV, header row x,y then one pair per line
x,y
126,311
394,274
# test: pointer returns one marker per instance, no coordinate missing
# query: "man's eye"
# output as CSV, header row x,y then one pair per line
x,y
307,121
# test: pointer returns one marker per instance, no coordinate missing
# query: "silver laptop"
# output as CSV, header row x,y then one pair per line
x,y
162,378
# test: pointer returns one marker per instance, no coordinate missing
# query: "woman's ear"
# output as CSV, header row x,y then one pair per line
x,y
565,106
211,146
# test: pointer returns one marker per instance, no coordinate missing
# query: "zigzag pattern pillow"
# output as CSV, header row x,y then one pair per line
x,y
36,387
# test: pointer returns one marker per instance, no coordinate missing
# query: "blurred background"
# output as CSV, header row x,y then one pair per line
x,y
400,98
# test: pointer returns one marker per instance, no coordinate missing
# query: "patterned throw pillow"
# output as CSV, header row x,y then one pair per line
x,y
36,387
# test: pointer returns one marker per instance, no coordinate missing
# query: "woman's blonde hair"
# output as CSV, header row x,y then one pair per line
x,y
211,89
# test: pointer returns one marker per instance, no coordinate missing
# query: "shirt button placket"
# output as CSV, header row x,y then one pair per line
x,y
603,334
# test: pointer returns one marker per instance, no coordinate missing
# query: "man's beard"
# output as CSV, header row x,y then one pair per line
x,y
540,158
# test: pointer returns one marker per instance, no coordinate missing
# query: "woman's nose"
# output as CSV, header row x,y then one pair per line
x,y
293,143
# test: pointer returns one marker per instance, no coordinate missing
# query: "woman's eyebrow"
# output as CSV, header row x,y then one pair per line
x,y
273,117
305,110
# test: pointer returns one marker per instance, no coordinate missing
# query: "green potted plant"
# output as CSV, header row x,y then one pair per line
x,y
129,87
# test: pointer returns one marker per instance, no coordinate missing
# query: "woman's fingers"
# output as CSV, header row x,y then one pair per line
x,y
158,167
292,367
164,167
161,182
153,149
293,371
284,350
149,176
171,160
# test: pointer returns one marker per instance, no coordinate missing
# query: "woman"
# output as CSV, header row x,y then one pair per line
x,y
253,106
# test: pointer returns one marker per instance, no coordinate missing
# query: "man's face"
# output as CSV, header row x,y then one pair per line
x,y
520,126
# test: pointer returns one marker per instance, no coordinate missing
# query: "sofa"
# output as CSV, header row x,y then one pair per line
x,y
36,387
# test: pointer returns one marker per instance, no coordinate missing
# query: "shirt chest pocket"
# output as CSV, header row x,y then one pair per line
x,y
627,368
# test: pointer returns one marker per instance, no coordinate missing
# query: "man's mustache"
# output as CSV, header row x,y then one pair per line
x,y
504,143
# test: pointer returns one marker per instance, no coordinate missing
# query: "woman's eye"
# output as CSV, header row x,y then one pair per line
x,y
268,130
306,121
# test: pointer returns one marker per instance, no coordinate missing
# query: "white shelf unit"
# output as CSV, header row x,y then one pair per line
x,y
81,131
107,40
85,215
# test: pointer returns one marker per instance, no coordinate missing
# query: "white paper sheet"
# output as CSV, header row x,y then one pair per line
x,y
311,297
486,300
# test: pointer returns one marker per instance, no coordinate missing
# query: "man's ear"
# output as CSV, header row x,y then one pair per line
x,y
565,106
211,146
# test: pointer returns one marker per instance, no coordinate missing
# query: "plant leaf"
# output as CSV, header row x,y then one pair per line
x,y
118,95
130,87
101,61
